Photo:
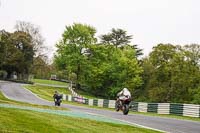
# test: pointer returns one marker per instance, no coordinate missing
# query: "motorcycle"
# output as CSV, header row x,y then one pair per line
x,y
58,100
123,105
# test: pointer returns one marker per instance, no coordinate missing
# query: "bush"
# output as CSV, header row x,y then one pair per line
x,y
196,96
3,74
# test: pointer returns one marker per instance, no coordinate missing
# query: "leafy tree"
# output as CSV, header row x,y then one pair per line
x,y
3,46
103,73
17,53
162,58
192,58
24,57
8,52
192,53
75,38
41,69
141,93
173,74
119,38
106,39
79,35
36,38
138,50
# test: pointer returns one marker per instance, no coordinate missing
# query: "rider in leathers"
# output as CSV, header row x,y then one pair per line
x,y
124,94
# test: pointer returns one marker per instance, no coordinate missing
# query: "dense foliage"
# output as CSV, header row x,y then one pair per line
x,y
16,53
172,74
104,71
21,53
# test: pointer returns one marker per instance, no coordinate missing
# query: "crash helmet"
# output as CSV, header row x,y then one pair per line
x,y
125,89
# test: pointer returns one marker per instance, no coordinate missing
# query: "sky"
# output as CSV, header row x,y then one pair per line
x,y
149,21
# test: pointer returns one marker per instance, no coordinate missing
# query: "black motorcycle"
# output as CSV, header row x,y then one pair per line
x,y
58,99
123,105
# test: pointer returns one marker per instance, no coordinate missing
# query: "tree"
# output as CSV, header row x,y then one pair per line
x,y
161,84
41,69
3,46
75,38
102,73
138,50
173,77
79,35
36,38
148,76
17,54
192,53
119,38
192,57
106,39
24,53
105,74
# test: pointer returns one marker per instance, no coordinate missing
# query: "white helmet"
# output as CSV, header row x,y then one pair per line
x,y
125,89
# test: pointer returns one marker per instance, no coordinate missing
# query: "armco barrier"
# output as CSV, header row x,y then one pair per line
x,y
152,107
176,109
105,103
163,108
134,106
142,107
190,110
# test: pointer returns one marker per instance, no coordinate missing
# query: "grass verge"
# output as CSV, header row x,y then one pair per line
x,y
49,82
17,121
46,92
53,82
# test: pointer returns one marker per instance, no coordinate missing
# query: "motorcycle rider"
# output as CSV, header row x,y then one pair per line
x,y
57,98
55,95
122,96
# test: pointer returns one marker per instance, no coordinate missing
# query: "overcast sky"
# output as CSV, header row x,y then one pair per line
x,y
149,21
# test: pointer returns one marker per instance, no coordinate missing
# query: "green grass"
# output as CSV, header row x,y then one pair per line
x,y
46,92
18,121
86,95
53,82
49,82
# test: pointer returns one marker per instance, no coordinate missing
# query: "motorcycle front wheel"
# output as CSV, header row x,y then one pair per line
x,y
126,109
